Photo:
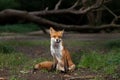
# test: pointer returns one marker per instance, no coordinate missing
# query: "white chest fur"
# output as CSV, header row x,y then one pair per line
x,y
56,50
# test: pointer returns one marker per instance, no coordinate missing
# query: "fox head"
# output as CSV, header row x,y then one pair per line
x,y
56,36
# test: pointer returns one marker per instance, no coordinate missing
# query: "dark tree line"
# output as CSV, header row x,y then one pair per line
x,y
74,15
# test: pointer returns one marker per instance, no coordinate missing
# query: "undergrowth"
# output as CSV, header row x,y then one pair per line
x,y
19,28
13,43
12,61
106,63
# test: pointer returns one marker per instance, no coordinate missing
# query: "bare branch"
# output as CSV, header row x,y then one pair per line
x,y
106,1
35,17
23,15
110,11
72,11
46,9
97,5
58,4
115,16
74,5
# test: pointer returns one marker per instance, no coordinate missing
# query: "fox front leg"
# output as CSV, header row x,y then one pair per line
x,y
55,62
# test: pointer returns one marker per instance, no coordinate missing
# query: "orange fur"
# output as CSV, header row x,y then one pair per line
x,y
65,60
1,78
44,65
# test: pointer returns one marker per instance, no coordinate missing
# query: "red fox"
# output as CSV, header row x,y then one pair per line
x,y
61,56
62,59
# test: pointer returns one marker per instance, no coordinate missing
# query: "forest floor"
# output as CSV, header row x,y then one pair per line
x,y
41,51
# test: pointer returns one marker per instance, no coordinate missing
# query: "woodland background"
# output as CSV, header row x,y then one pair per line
x,y
92,35
71,15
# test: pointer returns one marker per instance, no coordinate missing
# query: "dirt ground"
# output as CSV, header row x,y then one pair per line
x,y
38,51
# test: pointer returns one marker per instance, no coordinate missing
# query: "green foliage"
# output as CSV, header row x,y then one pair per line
x,y
114,57
76,57
112,44
92,60
13,43
5,4
29,64
15,78
17,62
12,60
19,28
104,62
6,49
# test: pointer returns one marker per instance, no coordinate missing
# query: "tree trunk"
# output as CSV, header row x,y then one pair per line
x,y
91,18
98,17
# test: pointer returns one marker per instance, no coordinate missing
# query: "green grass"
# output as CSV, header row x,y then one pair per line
x,y
113,44
25,43
19,28
106,62
78,43
105,58
15,61
16,78
29,64
12,60
6,49
91,60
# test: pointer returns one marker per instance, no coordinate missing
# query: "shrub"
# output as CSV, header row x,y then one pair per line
x,y
92,60
107,63
12,60
112,44
6,49
19,28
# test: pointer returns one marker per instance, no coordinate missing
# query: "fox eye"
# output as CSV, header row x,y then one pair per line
x,y
54,36
59,36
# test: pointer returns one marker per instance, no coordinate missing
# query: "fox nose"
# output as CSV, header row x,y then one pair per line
x,y
58,40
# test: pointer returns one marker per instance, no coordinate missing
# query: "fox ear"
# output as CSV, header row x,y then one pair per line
x,y
51,30
62,31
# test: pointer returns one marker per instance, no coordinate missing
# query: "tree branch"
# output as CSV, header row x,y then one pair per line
x,y
70,10
46,9
23,15
58,4
97,5
35,17
111,12
74,5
